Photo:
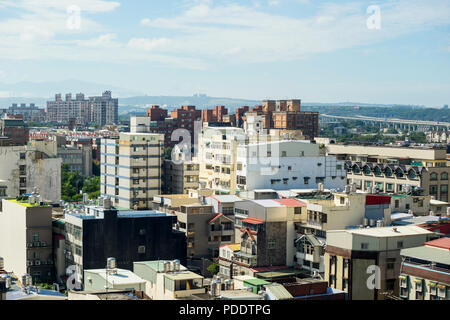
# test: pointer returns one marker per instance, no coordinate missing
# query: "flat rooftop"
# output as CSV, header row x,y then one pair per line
x,y
387,232
121,277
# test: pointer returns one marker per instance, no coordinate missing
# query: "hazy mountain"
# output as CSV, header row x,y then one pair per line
x,y
47,90
130,100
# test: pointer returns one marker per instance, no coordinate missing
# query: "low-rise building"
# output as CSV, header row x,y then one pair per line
x,y
205,228
23,169
78,158
115,279
266,233
394,169
168,280
26,238
366,263
425,271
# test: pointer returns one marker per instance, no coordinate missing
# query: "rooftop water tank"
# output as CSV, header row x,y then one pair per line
x,y
177,266
111,263
27,280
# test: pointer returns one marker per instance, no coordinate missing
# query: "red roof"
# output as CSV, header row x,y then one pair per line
x,y
291,203
443,243
214,219
253,220
376,199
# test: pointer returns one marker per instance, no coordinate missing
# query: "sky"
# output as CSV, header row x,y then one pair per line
x,y
391,51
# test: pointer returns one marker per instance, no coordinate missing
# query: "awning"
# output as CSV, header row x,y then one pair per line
x,y
433,284
403,277
441,286
253,221
418,280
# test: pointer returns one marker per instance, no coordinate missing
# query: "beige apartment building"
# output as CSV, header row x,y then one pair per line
x,y
217,158
393,169
26,239
366,263
206,230
180,176
131,169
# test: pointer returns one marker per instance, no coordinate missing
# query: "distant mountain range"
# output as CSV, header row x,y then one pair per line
x,y
130,101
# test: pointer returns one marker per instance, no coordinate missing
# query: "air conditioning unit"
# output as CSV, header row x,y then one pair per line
x,y
29,263
37,262
49,261
43,244
37,244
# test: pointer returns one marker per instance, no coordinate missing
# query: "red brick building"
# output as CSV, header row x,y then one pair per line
x,y
14,128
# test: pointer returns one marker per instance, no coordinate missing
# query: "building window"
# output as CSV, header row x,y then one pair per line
x,y
364,246
433,189
271,244
22,156
433,176
306,180
142,232
141,249
444,176
399,244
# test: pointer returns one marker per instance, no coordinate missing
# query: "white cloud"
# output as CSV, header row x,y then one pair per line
x,y
148,44
204,34
211,31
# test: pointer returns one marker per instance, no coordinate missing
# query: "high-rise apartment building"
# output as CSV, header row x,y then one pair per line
x,y
63,110
131,169
102,110
287,115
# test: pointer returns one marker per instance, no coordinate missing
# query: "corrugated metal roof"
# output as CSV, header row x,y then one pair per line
x,y
278,291
256,282
443,243
428,254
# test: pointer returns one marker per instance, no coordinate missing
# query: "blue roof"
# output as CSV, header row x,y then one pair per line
x,y
141,214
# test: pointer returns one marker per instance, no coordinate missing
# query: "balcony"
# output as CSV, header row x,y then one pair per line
x,y
314,224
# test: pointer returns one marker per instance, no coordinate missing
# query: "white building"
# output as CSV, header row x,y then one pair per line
x,y
117,279
166,282
233,160
287,164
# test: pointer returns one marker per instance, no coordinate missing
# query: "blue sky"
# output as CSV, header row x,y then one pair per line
x,y
309,49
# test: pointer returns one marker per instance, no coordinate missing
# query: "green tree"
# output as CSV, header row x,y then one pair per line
x,y
168,153
213,268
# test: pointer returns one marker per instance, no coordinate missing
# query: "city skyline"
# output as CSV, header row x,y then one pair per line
x,y
323,51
